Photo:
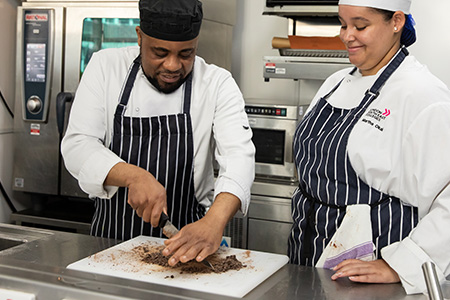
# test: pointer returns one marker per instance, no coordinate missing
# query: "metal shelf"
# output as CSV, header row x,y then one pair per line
x,y
292,11
293,67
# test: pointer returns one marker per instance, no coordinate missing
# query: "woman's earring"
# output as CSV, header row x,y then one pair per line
x,y
395,29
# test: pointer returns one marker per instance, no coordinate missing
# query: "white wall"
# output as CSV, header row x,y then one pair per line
x,y
8,9
251,41
433,37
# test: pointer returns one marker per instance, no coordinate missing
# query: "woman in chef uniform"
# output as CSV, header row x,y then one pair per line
x,y
373,201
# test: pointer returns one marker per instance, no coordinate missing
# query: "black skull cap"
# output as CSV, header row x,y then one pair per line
x,y
171,20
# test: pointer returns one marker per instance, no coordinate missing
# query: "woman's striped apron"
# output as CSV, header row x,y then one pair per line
x,y
328,183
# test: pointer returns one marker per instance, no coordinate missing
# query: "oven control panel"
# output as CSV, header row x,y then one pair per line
x,y
36,59
285,112
266,111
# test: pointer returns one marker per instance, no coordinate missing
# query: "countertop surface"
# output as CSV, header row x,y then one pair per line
x,y
39,267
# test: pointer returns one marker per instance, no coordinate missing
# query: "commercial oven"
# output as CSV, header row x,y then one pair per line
x,y
269,220
55,40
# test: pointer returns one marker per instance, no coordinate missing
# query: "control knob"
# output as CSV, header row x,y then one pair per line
x,y
34,104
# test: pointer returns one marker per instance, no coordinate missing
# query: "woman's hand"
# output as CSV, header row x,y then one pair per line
x,y
377,271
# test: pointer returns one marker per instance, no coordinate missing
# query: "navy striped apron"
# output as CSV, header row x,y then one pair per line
x,y
162,145
328,182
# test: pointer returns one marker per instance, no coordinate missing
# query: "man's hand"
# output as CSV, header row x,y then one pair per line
x,y
200,239
145,194
377,271
194,241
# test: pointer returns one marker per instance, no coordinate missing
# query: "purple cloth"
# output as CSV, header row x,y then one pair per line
x,y
357,252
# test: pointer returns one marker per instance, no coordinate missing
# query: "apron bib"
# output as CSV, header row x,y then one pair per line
x,y
328,182
162,145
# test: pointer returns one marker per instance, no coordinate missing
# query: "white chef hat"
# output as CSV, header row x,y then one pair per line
x,y
392,5
408,36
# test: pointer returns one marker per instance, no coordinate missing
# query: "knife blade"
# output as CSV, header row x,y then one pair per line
x,y
170,230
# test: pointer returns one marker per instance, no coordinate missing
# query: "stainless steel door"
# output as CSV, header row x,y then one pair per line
x,y
75,18
269,224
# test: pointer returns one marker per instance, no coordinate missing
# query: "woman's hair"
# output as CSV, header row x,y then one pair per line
x,y
387,14
408,36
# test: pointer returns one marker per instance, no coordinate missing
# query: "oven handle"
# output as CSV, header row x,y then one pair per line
x,y
61,99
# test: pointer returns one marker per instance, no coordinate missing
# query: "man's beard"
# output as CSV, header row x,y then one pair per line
x,y
168,88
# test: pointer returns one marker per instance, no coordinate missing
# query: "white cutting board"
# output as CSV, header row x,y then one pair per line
x,y
117,261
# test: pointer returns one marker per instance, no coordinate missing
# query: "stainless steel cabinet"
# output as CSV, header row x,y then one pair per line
x,y
269,224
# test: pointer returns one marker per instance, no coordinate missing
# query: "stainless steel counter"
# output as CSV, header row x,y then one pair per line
x,y
37,265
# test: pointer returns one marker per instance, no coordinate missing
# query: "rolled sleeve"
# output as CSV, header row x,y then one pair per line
x,y
94,171
228,185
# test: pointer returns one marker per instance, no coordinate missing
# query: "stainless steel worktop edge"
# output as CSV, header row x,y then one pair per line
x,y
39,267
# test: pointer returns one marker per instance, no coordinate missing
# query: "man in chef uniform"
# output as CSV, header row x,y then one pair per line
x,y
373,201
145,127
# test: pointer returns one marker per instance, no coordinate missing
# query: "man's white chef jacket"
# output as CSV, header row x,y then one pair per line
x,y
218,119
401,147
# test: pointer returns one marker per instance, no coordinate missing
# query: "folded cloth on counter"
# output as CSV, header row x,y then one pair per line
x,y
353,238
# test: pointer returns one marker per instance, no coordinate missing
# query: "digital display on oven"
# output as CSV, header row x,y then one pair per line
x,y
269,145
266,111
35,62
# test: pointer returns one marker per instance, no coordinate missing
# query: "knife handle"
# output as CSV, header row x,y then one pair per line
x,y
163,219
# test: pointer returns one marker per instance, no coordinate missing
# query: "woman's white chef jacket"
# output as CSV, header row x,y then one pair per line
x,y
401,147
218,119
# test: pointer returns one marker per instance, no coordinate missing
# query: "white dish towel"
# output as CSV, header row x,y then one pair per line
x,y
353,239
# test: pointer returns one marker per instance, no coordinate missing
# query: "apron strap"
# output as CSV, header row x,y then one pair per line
x,y
381,80
187,94
126,91
374,90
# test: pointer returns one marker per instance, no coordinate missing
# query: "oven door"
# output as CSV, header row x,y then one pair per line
x,y
90,28
273,143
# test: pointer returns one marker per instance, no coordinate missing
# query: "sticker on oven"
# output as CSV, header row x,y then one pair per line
x,y
19,182
280,71
35,129
270,68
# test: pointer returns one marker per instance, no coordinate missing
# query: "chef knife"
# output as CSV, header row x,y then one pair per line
x,y
170,230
